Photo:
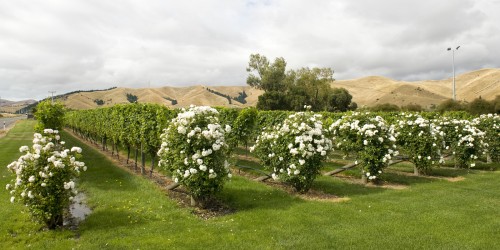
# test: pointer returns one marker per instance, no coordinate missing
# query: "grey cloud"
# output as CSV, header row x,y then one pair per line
x,y
68,45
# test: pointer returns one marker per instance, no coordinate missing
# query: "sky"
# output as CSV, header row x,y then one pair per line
x,y
62,46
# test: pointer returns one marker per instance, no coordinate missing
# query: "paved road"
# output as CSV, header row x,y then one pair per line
x,y
10,121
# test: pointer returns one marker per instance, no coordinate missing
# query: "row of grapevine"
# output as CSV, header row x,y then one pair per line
x,y
424,138
134,126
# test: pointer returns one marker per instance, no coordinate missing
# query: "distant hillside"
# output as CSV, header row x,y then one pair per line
x,y
366,91
233,96
12,106
372,90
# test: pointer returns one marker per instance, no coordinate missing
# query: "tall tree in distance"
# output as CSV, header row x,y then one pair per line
x,y
311,86
268,77
291,90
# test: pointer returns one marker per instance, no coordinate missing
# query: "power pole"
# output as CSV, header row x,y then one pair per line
x,y
52,92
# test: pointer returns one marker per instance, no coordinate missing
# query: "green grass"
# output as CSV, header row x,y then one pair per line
x,y
130,212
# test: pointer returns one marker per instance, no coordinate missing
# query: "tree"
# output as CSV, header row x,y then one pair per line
x,y
340,100
313,84
385,107
269,77
291,90
273,100
450,105
480,106
49,115
496,104
131,98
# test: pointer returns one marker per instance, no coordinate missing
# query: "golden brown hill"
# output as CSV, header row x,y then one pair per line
x,y
372,90
184,96
367,91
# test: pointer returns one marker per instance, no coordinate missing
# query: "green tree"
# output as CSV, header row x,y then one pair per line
x,y
273,100
266,76
49,115
132,98
412,107
313,84
291,90
496,104
340,100
480,106
385,107
450,105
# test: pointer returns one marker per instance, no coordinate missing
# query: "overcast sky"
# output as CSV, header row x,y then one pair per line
x,y
62,45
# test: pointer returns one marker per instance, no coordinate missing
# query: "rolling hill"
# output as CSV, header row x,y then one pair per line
x,y
372,90
12,106
366,91
237,96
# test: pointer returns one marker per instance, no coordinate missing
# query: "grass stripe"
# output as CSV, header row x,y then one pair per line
x,y
130,212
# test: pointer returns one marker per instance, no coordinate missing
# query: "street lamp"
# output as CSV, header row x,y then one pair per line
x,y
453,65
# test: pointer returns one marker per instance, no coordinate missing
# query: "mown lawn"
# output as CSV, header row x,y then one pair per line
x,y
130,212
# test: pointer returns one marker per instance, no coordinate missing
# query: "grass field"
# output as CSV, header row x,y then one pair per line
x,y
131,212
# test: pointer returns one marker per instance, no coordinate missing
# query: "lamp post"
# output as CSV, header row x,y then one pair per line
x,y
453,65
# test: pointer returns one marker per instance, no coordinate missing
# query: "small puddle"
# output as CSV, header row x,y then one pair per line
x,y
78,211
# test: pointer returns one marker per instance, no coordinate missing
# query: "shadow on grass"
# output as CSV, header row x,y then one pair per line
x,y
338,187
449,172
244,195
405,179
109,219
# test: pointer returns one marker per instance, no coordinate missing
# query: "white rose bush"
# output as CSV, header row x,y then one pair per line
x,y
294,149
45,177
490,124
369,138
464,140
421,140
195,152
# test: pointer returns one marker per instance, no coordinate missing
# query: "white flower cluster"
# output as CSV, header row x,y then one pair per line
x,y
490,125
45,168
464,139
194,147
370,138
289,148
421,140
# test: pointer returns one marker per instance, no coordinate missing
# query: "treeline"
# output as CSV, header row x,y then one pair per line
x,y
477,107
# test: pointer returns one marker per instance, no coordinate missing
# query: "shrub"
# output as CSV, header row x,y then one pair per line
x,y
463,140
369,138
412,107
421,140
49,115
194,150
45,177
386,107
450,105
99,102
132,98
480,106
294,149
490,124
